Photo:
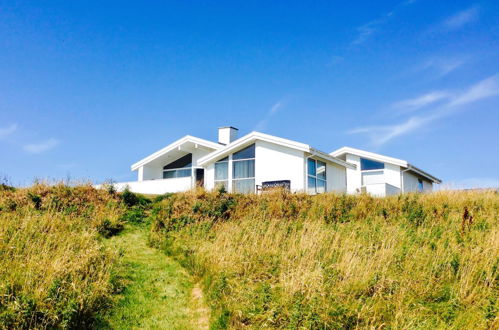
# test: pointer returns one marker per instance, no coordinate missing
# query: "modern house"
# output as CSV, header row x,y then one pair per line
x,y
382,175
258,161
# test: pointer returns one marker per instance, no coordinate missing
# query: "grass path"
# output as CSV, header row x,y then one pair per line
x,y
158,292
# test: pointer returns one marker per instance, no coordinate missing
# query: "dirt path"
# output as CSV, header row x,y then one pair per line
x,y
158,292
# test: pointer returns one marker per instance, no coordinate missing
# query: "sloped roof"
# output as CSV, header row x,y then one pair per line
x,y
254,136
175,145
385,159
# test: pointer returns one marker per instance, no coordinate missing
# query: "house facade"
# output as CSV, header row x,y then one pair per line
x,y
259,161
382,175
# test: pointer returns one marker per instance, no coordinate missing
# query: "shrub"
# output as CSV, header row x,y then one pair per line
x,y
131,199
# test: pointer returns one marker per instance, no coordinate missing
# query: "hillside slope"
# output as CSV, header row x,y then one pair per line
x,y
333,261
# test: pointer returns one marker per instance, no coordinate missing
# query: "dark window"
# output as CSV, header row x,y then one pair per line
x,y
420,185
367,164
246,153
179,168
199,177
311,167
182,162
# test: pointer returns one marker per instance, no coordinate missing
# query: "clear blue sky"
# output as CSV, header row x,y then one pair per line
x,y
88,88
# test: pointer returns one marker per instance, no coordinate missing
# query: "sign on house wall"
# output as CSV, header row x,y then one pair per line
x,y
267,185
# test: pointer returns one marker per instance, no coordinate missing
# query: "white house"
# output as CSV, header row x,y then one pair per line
x,y
382,175
260,161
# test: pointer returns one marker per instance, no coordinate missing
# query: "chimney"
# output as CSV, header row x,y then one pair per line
x,y
227,134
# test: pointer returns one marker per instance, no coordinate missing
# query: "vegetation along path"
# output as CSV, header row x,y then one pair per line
x,y
157,293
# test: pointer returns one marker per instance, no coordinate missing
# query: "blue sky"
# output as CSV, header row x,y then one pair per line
x,y
88,88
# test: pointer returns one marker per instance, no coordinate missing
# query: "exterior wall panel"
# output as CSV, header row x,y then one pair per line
x,y
392,175
209,177
354,177
336,178
274,162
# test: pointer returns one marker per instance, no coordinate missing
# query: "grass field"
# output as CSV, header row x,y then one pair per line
x,y
157,291
76,257
332,261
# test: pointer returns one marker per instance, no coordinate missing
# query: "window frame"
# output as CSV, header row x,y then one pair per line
x,y
315,177
371,160
381,171
233,162
224,182
177,170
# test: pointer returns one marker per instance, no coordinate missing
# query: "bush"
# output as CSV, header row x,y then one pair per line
x,y
131,199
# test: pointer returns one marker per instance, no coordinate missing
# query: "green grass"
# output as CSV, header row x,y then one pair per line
x,y
292,261
157,291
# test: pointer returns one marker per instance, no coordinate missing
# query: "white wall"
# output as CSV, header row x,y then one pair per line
x,y
392,190
377,189
392,175
209,177
411,183
197,154
336,178
155,186
148,172
427,185
274,162
354,177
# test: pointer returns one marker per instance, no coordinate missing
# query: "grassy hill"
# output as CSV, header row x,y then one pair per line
x,y
334,261
277,260
54,269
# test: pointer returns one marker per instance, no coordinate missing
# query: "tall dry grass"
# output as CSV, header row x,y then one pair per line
x,y
54,269
280,260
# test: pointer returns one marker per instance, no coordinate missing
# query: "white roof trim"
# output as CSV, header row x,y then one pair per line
x,y
370,155
253,136
325,156
174,145
384,159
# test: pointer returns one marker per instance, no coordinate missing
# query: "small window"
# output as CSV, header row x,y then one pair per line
x,y
316,178
368,165
420,185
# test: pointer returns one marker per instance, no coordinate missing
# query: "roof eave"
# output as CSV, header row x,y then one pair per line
x,y
423,173
332,158
368,154
249,138
172,146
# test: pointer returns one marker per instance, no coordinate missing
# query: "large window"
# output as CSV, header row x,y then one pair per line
x,y
316,176
369,165
222,173
372,171
180,168
243,170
